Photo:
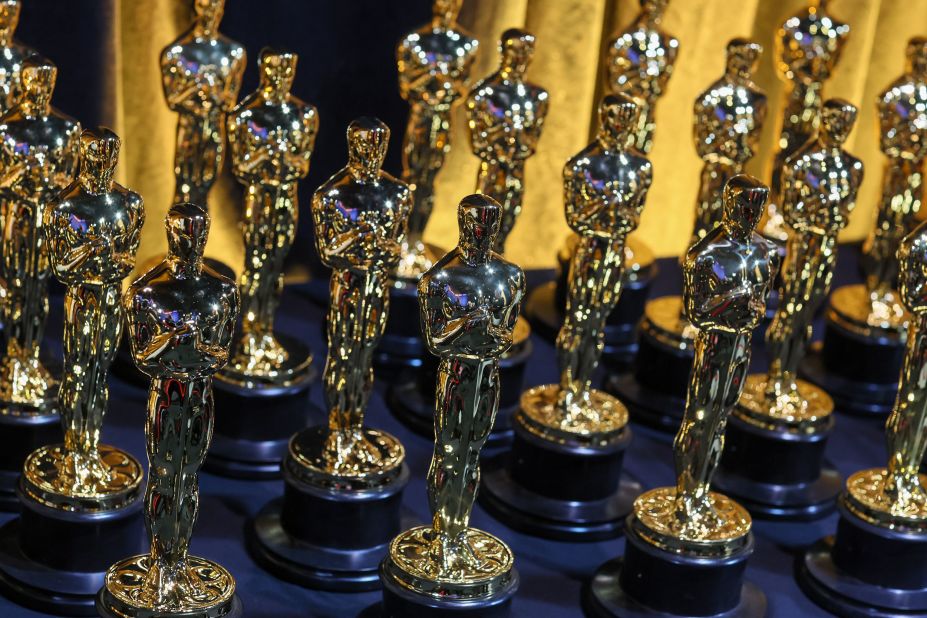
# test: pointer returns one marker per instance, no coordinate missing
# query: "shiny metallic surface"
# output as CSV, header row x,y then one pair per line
x,y
728,123
896,496
39,153
180,318
360,217
819,185
92,229
12,56
640,63
469,303
506,114
808,47
271,135
201,75
434,65
605,186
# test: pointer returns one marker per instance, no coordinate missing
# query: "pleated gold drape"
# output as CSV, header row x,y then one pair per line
x,y
571,35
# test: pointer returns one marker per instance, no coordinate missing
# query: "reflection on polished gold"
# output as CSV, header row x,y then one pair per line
x,y
605,186
201,74
39,151
903,126
434,73
728,122
819,185
505,115
469,301
360,217
12,56
896,496
92,229
180,317
808,47
640,63
271,135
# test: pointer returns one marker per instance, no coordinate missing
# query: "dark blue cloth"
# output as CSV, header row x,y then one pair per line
x,y
552,573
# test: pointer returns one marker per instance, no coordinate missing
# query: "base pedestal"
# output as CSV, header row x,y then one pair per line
x,y
569,491
650,582
55,561
19,436
102,609
776,473
328,537
413,401
866,570
655,392
254,424
401,345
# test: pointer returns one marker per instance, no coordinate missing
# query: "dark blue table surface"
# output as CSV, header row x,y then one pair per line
x,y
552,573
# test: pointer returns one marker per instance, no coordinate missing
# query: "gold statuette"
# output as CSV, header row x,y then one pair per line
x,y
808,47
360,217
896,496
640,63
12,56
605,186
819,185
92,229
874,307
201,74
728,119
434,72
469,302
505,115
271,135
39,152
728,274
180,317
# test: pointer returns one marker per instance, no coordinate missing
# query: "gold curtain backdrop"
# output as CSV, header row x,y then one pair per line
x,y
571,37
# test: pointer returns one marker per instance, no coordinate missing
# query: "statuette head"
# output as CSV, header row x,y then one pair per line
x,y
38,79
916,54
9,17
99,153
478,217
744,201
618,115
654,9
368,139
837,119
742,55
278,68
187,230
517,49
446,11
208,14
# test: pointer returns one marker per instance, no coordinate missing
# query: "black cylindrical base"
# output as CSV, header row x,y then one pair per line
x,y
254,426
401,345
562,491
328,538
413,401
400,602
777,474
859,373
54,561
19,436
652,582
866,570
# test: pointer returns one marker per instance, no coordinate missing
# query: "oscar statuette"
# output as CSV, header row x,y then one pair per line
x,y
687,546
866,324
434,64
470,301
727,123
876,564
80,491
344,481
773,463
39,153
271,135
506,115
562,479
180,316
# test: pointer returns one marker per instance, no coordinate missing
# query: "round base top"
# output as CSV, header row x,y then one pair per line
x,y
638,258
866,498
722,529
852,308
292,369
664,322
55,478
475,566
364,459
599,419
204,590
808,412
